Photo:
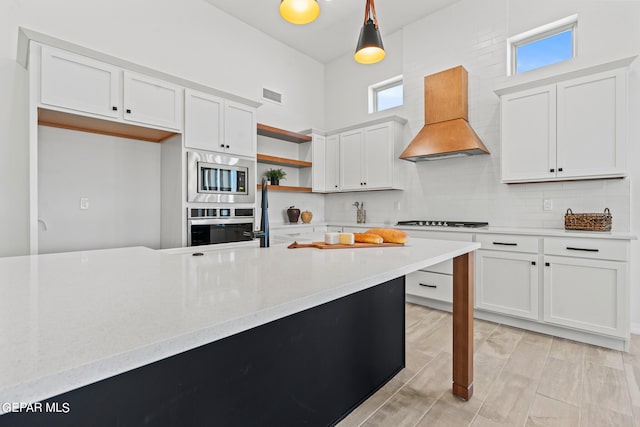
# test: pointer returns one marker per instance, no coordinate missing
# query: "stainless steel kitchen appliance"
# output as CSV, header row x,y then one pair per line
x,y
207,226
432,223
216,178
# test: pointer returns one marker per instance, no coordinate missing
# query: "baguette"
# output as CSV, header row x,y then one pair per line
x,y
389,235
368,238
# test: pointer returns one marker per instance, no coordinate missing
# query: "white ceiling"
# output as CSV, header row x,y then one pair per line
x,y
336,30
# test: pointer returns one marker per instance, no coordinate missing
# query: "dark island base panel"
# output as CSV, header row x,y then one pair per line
x,y
308,369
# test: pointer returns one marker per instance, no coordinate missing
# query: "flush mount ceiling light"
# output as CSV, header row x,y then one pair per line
x,y
299,11
369,49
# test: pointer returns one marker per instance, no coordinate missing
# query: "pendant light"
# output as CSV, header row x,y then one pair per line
x,y
369,49
299,11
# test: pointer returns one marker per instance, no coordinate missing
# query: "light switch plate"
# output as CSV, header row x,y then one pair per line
x,y
84,203
547,205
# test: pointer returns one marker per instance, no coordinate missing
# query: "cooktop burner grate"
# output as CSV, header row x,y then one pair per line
x,y
432,223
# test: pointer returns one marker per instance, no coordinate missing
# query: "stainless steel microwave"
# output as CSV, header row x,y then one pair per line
x,y
216,178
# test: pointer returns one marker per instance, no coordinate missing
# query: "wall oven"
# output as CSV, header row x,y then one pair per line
x,y
216,178
208,226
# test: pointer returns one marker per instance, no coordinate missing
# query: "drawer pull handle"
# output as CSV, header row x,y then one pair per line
x,y
569,248
428,285
533,263
546,264
505,244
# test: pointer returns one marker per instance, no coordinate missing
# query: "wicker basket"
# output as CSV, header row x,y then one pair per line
x,y
588,221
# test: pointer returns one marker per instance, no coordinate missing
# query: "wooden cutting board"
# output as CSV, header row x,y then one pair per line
x,y
323,245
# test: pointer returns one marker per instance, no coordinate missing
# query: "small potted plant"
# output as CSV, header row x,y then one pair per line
x,y
275,175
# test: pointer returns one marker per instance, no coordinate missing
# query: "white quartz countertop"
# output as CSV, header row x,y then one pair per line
x,y
70,319
543,232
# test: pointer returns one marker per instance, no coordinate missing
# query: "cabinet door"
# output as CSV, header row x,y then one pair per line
x,y
332,164
240,135
592,125
586,294
78,83
203,121
150,101
378,156
507,283
319,160
351,177
528,135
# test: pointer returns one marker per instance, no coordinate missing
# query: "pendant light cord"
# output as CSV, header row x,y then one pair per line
x,y
370,9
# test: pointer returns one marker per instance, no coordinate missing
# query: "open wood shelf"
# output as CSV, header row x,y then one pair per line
x,y
287,188
282,134
282,161
59,119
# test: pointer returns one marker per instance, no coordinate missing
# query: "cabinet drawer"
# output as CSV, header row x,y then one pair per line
x,y
586,248
430,285
506,242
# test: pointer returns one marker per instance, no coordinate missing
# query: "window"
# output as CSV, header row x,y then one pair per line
x,y
385,95
546,45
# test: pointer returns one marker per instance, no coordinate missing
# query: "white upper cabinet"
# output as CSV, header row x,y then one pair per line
x,y
240,136
571,129
351,160
368,160
216,124
79,83
318,158
152,101
592,125
378,156
332,164
85,86
529,134
203,121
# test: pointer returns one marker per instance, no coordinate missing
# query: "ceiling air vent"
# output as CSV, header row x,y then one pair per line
x,y
271,95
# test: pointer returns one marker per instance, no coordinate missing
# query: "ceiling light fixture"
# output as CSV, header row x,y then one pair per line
x,y
299,11
369,49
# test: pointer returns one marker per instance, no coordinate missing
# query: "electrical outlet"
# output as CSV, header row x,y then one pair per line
x,y
84,203
547,205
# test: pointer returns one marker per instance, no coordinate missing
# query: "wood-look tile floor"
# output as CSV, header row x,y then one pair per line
x,y
521,378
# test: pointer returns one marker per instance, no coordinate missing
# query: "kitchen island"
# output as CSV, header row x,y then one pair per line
x,y
73,321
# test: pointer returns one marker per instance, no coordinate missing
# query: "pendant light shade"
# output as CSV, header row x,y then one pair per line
x,y
369,49
299,11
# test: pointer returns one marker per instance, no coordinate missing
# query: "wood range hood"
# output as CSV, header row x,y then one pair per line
x,y
446,132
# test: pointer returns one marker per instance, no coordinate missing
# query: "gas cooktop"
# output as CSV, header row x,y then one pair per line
x,y
430,223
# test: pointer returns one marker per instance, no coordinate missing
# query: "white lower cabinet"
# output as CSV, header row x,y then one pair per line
x,y
507,283
431,285
586,294
571,287
507,279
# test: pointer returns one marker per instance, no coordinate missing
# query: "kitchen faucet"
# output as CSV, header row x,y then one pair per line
x,y
263,233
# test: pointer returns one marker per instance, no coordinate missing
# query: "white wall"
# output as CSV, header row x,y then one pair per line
x,y
473,33
347,83
119,176
188,38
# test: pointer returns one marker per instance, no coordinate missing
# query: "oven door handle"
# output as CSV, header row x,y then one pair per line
x,y
220,221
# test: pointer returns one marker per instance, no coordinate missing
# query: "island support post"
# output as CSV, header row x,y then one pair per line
x,y
463,326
